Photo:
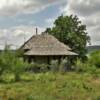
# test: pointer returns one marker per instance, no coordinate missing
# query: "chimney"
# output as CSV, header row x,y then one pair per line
x,y
36,31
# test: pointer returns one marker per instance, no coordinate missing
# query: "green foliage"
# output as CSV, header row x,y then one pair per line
x,y
34,67
30,98
92,64
5,60
70,30
59,66
18,67
80,66
10,62
94,58
19,52
63,65
54,66
52,86
44,68
85,67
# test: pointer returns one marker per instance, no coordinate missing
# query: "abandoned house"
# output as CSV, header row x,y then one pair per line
x,y
44,48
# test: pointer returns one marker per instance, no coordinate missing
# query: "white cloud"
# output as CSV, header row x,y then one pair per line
x,y
16,36
50,21
88,11
12,7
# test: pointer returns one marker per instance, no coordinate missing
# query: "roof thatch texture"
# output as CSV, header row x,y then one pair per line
x,y
46,45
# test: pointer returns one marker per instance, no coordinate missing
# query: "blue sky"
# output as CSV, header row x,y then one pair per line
x,y
19,18
35,19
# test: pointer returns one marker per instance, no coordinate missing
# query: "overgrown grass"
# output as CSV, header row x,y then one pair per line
x,y
22,81
51,86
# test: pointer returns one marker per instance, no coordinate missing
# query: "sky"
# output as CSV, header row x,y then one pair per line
x,y
19,18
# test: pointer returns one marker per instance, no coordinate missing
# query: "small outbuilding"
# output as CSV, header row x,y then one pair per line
x,y
44,48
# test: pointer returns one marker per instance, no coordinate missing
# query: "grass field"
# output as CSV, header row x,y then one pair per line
x,y
50,86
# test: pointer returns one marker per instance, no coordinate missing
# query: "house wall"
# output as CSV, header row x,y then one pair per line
x,y
42,59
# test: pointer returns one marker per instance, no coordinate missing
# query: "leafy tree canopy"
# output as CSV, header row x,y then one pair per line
x,y
71,31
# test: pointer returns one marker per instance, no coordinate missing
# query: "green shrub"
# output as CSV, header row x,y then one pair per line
x,y
44,67
30,98
94,58
18,68
35,67
79,66
63,65
84,67
10,62
54,66
6,58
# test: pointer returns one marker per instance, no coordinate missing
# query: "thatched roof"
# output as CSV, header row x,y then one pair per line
x,y
45,44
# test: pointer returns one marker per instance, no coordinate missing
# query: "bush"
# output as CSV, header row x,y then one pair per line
x,y
94,58
5,61
63,65
10,62
84,67
54,66
18,68
44,67
34,67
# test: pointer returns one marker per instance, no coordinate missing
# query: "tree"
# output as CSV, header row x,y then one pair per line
x,y
94,58
70,31
10,62
5,60
18,67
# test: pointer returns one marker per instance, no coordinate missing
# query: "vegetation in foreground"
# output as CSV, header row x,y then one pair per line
x,y
17,82
51,86
23,81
